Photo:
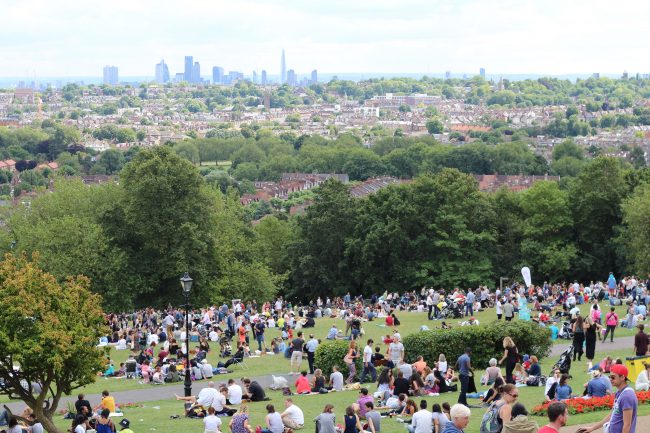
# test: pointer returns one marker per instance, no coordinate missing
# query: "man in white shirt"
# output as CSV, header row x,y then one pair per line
x,y
205,398
219,403
422,421
234,393
292,417
396,352
368,366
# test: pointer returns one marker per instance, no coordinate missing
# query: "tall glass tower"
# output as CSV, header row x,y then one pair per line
x,y
283,69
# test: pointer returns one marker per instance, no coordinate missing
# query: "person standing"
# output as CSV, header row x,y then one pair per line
x,y
311,347
622,418
611,320
464,371
368,365
591,334
498,306
511,356
469,303
395,352
558,414
296,354
350,360
508,310
578,337
641,342
430,304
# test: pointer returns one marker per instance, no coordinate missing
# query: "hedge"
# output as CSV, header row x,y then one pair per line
x,y
331,353
486,342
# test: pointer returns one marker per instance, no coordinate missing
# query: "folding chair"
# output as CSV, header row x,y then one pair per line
x,y
241,363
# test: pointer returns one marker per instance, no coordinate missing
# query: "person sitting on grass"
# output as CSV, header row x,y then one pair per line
x,y
302,384
254,391
239,422
520,422
292,417
273,421
103,422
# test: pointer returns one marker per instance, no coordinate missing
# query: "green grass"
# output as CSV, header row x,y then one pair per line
x,y
225,164
155,414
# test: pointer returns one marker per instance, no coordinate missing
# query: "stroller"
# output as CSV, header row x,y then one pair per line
x,y
451,310
564,363
224,346
565,332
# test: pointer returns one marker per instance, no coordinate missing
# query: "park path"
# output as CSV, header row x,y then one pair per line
x,y
154,393
642,425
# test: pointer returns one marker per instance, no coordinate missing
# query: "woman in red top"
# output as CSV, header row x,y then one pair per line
x,y
389,321
302,383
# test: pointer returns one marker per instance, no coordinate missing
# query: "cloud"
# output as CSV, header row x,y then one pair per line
x,y
74,37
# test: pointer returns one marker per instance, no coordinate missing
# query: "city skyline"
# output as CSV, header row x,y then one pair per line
x,y
55,38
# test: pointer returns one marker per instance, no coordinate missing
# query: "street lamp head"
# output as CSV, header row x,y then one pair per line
x,y
186,283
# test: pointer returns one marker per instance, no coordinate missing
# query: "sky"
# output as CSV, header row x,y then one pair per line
x,y
59,38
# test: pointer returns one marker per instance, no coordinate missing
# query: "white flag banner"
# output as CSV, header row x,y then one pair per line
x,y
525,272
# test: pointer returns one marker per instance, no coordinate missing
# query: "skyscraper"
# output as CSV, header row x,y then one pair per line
x,y
292,78
189,65
263,77
162,72
217,75
314,77
283,69
482,73
196,73
447,75
254,77
110,75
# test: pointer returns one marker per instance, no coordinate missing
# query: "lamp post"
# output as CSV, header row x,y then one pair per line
x,y
186,284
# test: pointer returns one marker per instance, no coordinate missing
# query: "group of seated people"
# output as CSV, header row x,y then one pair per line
x,y
221,398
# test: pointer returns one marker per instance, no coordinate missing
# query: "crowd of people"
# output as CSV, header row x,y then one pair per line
x,y
157,339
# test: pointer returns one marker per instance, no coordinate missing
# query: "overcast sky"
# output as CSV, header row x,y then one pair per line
x,y
79,37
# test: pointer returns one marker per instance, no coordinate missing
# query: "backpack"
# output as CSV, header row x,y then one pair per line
x,y
490,423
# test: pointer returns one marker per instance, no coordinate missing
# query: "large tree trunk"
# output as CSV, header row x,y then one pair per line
x,y
46,420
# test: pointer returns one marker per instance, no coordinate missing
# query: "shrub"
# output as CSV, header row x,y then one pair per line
x,y
486,342
331,353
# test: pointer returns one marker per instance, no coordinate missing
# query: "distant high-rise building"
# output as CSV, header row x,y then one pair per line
x,y
162,72
447,75
110,75
254,77
314,77
263,77
292,78
624,76
283,69
196,73
482,73
233,77
595,75
180,76
217,75
189,66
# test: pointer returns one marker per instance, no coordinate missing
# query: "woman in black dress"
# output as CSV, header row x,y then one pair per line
x,y
578,337
511,356
591,333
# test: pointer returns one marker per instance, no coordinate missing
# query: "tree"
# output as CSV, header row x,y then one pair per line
x,y
317,255
434,126
43,332
635,235
162,223
189,151
113,160
595,197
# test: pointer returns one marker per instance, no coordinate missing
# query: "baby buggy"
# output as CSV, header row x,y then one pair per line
x,y
224,347
564,363
451,310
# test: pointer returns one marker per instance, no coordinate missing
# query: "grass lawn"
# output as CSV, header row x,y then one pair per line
x,y
225,164
155,415
410,322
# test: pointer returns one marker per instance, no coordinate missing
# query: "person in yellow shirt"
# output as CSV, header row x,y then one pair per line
x,y
108,402
125,426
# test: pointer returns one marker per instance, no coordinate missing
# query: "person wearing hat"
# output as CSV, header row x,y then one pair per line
x,y
125,423
622,418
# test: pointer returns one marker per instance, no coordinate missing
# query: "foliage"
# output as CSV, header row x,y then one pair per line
x,y
635,234
330,354
50,330
485,341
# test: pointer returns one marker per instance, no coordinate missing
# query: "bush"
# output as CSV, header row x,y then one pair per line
x,y
331,353
486,342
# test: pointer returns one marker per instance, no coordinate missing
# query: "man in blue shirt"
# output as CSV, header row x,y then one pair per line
x,y
554,331
599,385
333,332
464,370
469,303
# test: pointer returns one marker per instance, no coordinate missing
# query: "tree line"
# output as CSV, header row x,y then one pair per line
x,y
133,239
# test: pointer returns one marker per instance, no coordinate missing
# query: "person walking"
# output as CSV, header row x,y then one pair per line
x,y
296,355
350,360
311,347
622,418
511,356
611,321
464,371
368,366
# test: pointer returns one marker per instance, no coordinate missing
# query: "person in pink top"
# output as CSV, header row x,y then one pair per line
x,y
363,399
